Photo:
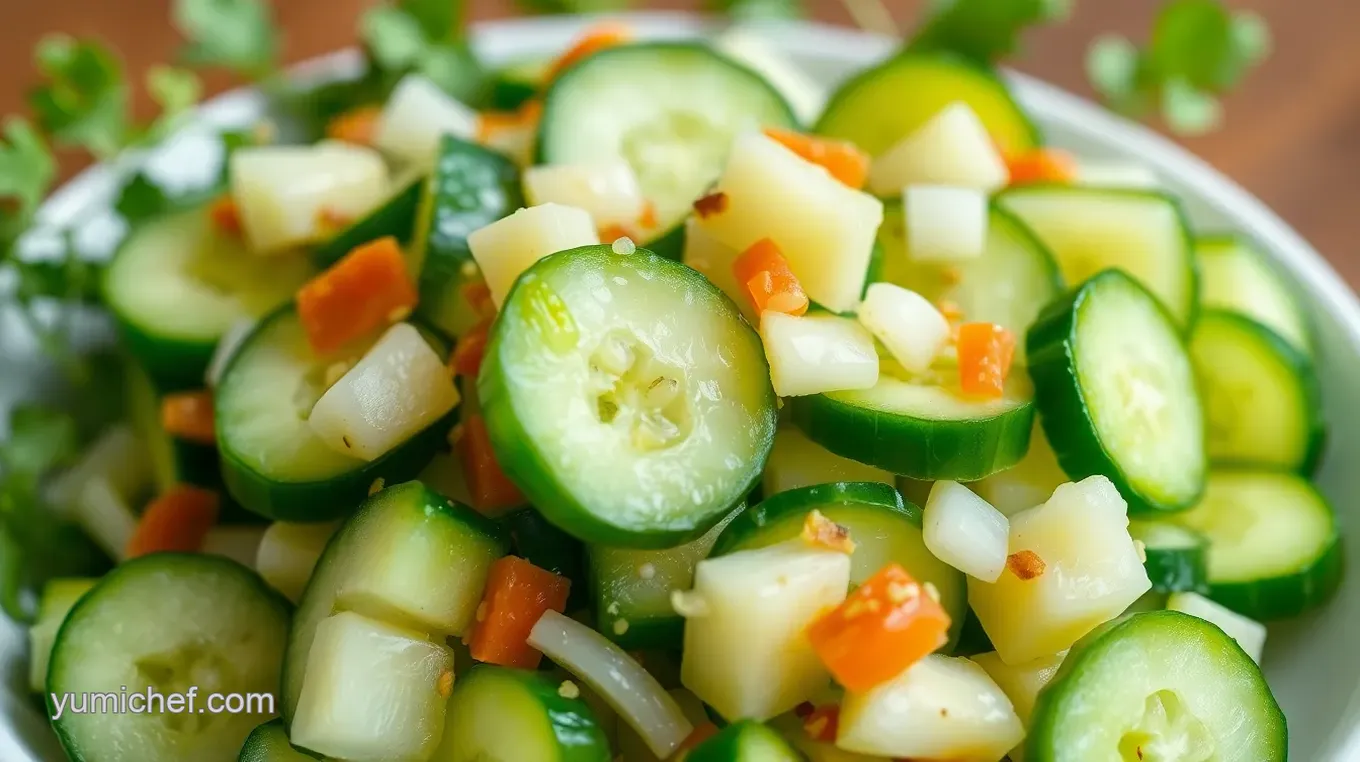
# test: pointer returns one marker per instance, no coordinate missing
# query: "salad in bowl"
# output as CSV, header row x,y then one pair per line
x,y
660,406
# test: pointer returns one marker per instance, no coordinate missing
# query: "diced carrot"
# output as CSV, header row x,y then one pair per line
x,y
884,626
1042,165
713,203
517,594
841,158
648,219
368,288
985,354
603,36
702,732
225,216
478,296
769,282
358,125
491,491
466,359
330,221
177,521
822,723
613,232
189,415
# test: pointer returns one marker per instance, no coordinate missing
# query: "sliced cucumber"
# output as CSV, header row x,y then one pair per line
x,y
1157,685
396,218
1013,280
272,462
169,623
1261,394
176,287
1236,277
59,596
512,85
408,556
471,187
1145,233
884,104
632,590
637,103
497,713
626,397
745,741
922,430
269,743
1274,548
1177,558
885,530
1117,393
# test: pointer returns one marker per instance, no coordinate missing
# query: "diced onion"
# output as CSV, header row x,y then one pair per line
x,y
1249,633
811,355
945,224
966,532
609,191
416,117
953,148
507,247
105,516
118,456
910,326
226,347
625,685
288,552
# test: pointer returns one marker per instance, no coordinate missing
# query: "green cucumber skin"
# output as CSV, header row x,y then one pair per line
x,y
396,218
731,744
1309,326
269,743
922,449
174,365
1050,346
1287,596
754,519
1046,720
670,244
576,729
1176,570
542,544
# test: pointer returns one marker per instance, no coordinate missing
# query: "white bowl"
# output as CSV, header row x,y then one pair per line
x,y
1309,661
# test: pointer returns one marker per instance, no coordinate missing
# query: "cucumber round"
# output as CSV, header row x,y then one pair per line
x,y
1236,277
626,397
497,713
637,103
1159,685
171,623
921,430
1274,547
885,529
272,463
1144,233
1261,394
882,105
396,217
1117,393
1177,557
269,743
1013,280
175,287
745,741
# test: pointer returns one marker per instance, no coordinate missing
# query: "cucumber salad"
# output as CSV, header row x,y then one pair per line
x,y
664,409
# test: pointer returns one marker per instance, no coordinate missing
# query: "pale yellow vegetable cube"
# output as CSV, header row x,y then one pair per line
x,y
907,323
288,552
945,224
819,353
714,259
417,116
508,247
1021,684
964,531
608,191
953,148
1249,633
797,461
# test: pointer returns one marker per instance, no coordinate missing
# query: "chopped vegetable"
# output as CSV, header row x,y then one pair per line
x,y
841,158
491,490
105,516
507,247
416,117
945,224
985,354
1249,634
821,532
888,623
177,521
912,329
288,552
358,295
965,531
797,461
749,47
226,217
817,353
1042,165
466,359
769,283
1022,682
517,594
599,37
189,415
952,149
358,126
608,191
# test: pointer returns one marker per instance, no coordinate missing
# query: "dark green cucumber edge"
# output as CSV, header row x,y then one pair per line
x,y
576,729
542,544
1175,570
1231,239
267,741
754,519
730,744
396,217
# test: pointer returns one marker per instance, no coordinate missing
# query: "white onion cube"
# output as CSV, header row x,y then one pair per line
x,y
965,531
815,354
509,246
105,516
945,224
1249,633
399,387
608,191
288,552
417,116
1021,682
953,148
941,707
907,323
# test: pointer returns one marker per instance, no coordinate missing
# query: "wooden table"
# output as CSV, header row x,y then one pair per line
x,y
1292,137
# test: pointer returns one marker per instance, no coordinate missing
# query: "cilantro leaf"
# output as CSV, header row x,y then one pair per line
x,y
439,20
175,91
27,170
394,39
40,438
235,34
422,36
573,6
84,101
984,30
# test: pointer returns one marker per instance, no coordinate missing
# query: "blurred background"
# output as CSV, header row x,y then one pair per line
x,y
1292,131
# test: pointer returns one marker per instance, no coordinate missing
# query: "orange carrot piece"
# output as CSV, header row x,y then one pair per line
x,y
985,354
613,232
358,125
478,296
603,36
1042,165
491,490
648,219
225,216
466,359
189,416
517,594
884,626
769,282
822,723
713,203
176,521
368,288
841,158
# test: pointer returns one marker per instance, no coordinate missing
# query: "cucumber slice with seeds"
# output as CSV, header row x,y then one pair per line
x,y
1177,557
168,622
1117,393
626,397
1236,277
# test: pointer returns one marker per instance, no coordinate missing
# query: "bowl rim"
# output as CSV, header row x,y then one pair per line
x,y
505,40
